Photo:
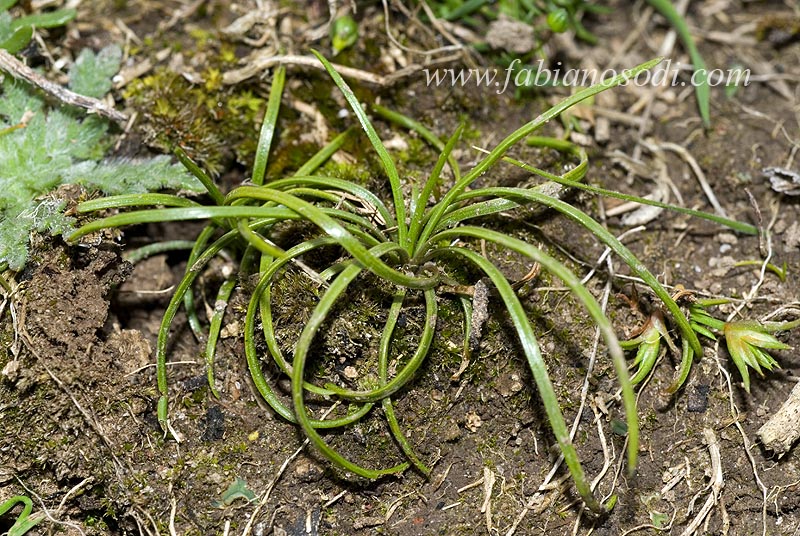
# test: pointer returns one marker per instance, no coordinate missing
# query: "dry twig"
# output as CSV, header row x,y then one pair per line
x,y
258,62
486,507
20,71
716,485
782,429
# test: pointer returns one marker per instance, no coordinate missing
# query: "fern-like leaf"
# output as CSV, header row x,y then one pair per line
x,y
91,73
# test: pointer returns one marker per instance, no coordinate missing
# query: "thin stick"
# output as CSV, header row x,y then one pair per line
x,y
701,178
257,63
486,507
172,511
20,71
73,491
716,485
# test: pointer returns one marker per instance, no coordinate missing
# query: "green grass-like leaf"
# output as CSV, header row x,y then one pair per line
x,y
701,87
25,522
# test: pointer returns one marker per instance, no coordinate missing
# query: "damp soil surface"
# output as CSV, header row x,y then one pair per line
x,y
78,391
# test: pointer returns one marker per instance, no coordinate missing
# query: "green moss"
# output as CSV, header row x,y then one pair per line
x,y
214,123
650,418
95,523
347,171
288,157
234,448
207,120
417,153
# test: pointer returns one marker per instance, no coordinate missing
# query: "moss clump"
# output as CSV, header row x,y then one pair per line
x,y
214,123
207,119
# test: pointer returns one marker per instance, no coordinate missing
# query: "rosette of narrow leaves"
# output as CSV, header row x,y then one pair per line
x,y
747,343
418,248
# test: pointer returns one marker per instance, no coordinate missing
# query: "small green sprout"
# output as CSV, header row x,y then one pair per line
x,y
558,20
647,354
648,343
344,33
747,343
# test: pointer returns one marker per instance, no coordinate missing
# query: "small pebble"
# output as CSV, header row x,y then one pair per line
x,y
697,399
473,421
307,470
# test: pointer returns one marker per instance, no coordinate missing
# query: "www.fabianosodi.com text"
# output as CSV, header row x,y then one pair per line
x,y
518,75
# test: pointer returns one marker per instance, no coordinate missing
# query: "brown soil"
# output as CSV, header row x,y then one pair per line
x,y
78,409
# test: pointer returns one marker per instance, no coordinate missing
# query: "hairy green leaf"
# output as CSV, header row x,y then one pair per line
x,y
91,73
117,177
43,147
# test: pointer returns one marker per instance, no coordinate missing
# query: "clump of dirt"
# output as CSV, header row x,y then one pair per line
x,y
69,387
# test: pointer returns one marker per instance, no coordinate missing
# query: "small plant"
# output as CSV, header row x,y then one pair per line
x,y
747,341
417,249
344,33
648,344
